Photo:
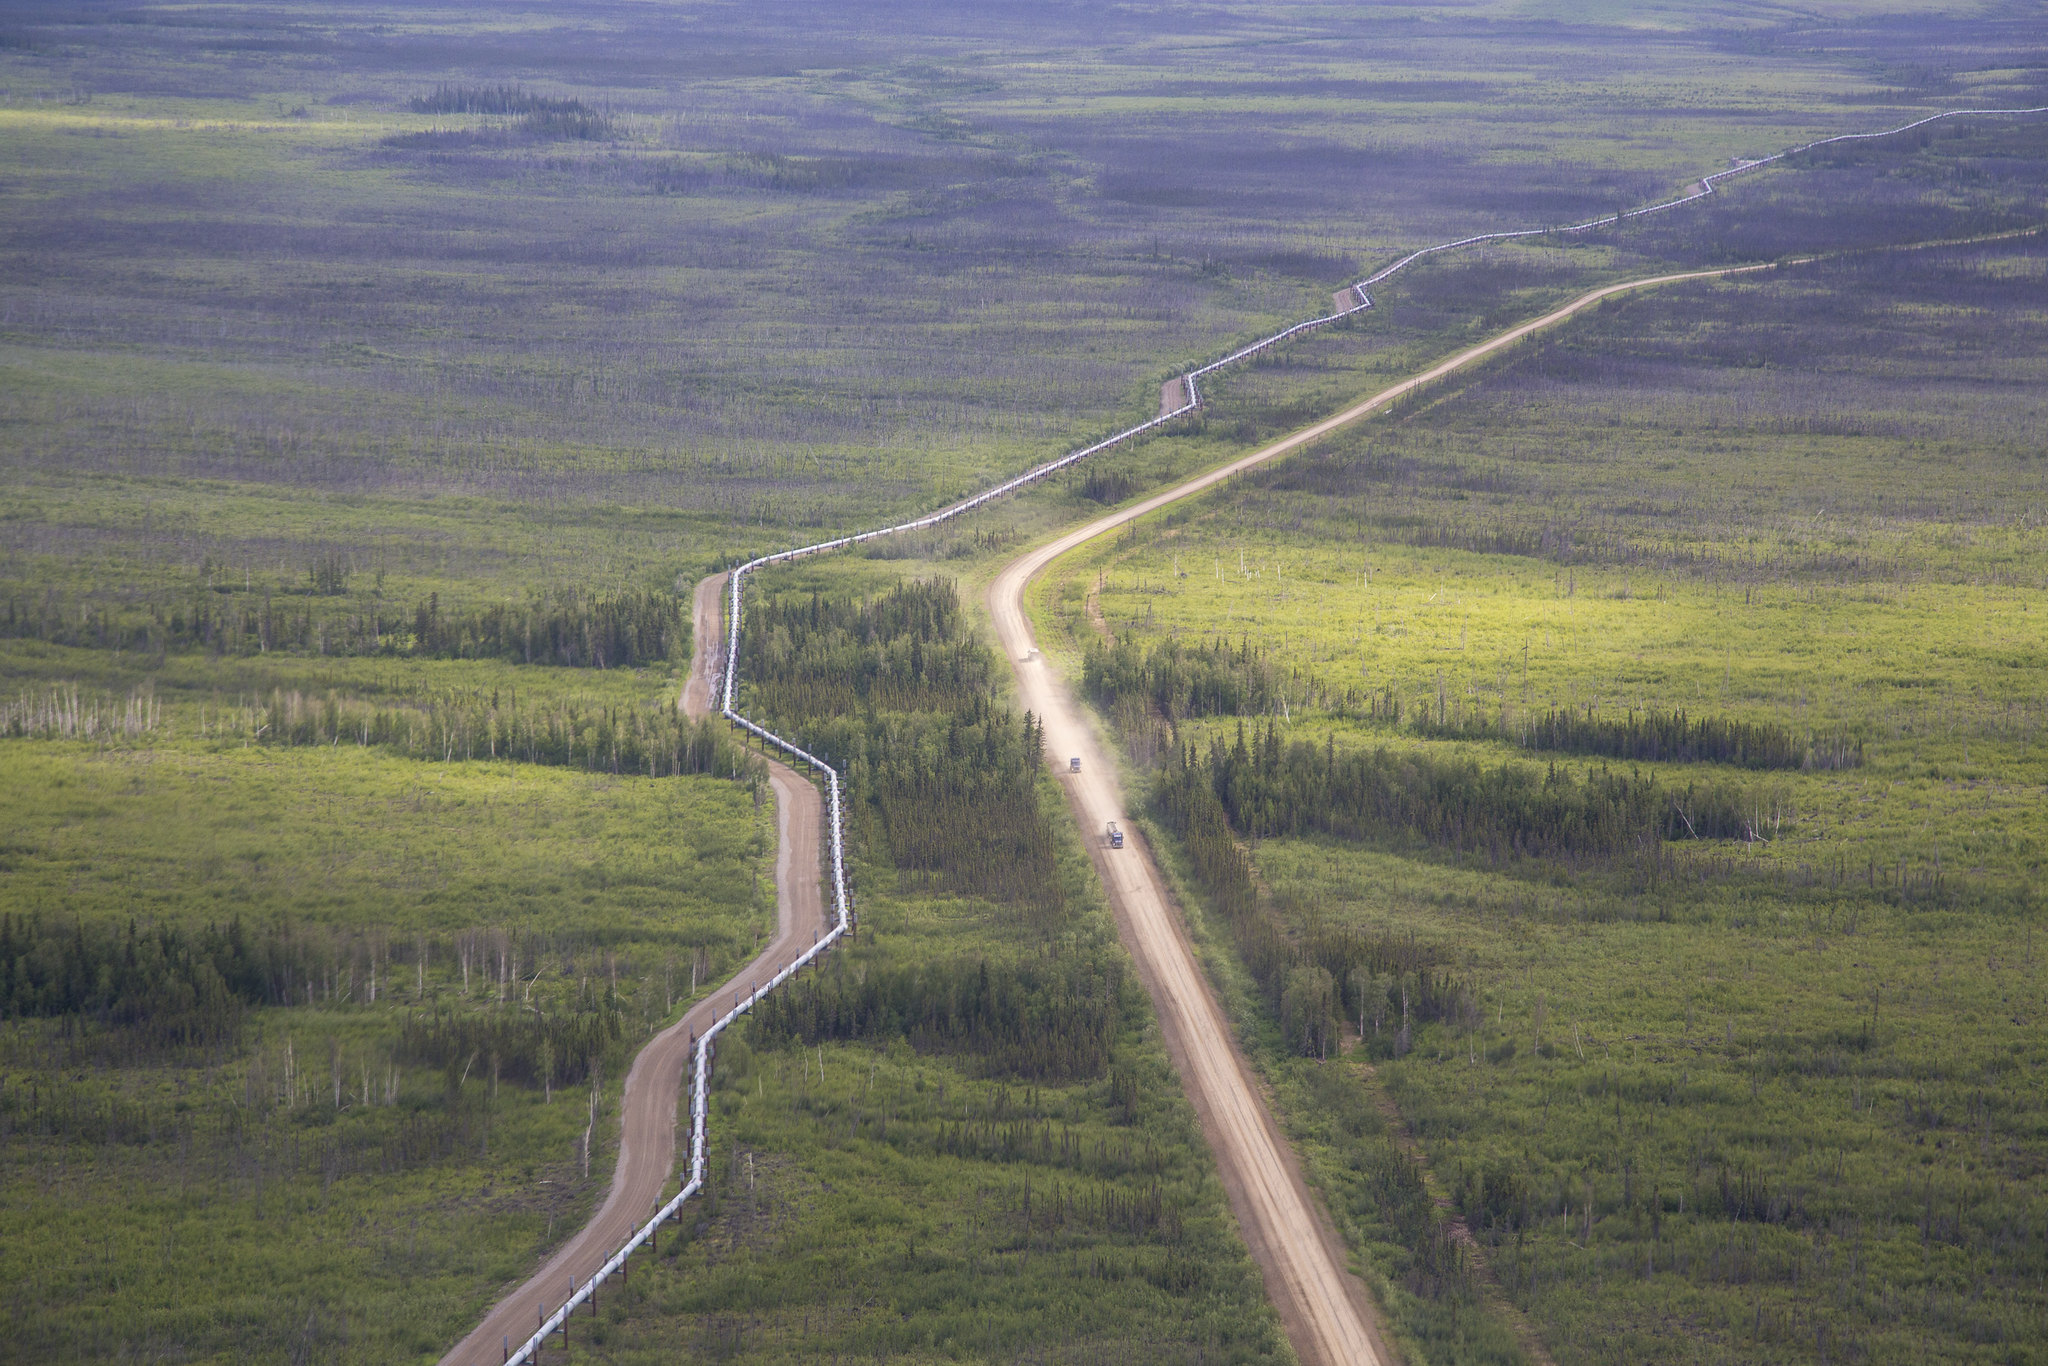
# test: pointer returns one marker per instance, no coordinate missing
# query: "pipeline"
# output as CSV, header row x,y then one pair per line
x,y
842,904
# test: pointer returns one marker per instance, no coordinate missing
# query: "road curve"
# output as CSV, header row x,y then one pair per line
x,y
647,1108
1328,1314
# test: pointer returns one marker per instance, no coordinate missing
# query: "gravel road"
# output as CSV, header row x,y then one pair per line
x,y
648,1112
1327,1311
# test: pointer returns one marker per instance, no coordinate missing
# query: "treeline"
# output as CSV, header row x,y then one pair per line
x,y
1313,982
1650,736
530,1047
1206,679
1047,1021
904,651
1213,678
542,116
950,800
897,693
565,627
1105,485
656,740
170,984
1267,787
166,986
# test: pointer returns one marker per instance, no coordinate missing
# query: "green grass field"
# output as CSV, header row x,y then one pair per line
x,y
183,834
312,1179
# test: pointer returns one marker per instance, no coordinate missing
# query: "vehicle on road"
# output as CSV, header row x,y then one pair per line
x,y
1116,836
1074,764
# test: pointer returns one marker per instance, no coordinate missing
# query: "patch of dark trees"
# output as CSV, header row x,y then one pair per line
x,y
1050,1020
1213,678
541,117
530,1047
568,627
1209,678
1315,980
1105,485
1651,736
163,986
959,806
904,651
1269,787
657,741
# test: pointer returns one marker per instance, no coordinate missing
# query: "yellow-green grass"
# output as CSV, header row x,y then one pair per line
x,y
834,1225
1868,1066
215,1200
240,1230
1795,1095
1940,681
357,838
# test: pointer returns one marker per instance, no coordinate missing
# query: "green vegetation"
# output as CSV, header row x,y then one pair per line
x,y
960,1138
220,617
373,386
1047,1021
1771,1093
1210,678
542,117
1505,811
903,652
167,986
274,1083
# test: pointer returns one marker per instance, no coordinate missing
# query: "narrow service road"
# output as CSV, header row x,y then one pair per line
x,y
1327,1311
647,1109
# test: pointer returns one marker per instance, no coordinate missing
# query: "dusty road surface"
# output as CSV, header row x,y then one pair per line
x,y
647,1147
1327,1311
1173,396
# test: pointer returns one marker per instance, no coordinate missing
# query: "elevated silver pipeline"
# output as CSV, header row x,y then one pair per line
x,y
841,903
1706,188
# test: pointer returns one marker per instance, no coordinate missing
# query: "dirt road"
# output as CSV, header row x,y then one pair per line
x,y
1326,1310
1173,396
1328,1314
647,1147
